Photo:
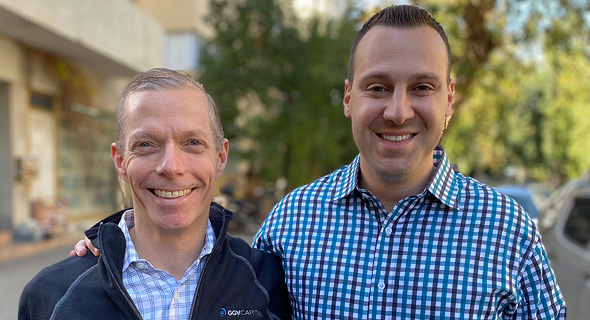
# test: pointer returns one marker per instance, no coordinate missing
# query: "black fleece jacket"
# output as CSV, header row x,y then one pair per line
x,y
237,281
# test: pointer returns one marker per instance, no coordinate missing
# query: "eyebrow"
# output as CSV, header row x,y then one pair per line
x,y
422,76
141,135
426,76
147,135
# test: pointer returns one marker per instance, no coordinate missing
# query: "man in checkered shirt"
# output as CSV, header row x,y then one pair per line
x,y
397,233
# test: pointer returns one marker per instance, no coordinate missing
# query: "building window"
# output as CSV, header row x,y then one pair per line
x,y
181,51
41,101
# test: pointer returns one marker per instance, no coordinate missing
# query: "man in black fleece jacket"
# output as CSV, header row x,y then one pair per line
x,y
169,257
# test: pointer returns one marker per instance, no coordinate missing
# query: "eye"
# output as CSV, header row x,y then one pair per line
x,y
423,89
195,143
377,89
143,147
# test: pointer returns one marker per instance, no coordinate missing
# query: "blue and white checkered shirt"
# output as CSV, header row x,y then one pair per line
x,y
458,250
156,293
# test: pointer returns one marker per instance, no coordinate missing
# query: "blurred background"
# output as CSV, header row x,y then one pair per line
x,y
276,69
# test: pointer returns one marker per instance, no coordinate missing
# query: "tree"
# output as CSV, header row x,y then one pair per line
x,y
278,81
520,69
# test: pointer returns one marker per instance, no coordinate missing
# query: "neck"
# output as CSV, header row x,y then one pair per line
x,y
390,190
171,252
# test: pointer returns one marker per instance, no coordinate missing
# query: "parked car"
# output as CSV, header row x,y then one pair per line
x,y
565,227
524,197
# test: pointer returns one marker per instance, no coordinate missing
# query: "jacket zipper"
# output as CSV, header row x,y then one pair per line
x,y
218,241
122,290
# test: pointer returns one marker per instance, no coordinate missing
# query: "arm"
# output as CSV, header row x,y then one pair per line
x,y
540,294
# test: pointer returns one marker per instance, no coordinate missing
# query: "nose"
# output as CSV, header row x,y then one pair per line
x,y
398,108
171,162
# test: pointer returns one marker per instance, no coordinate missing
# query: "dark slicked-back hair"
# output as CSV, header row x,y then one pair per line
x,y
399,16
162,79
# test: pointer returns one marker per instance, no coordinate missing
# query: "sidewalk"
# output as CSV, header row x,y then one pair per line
x,y
11,250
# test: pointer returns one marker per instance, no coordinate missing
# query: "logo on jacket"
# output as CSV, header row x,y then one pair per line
x,y
240,312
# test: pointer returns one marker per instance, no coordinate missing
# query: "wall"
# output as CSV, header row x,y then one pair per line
x,y
179,15
6,170
108,36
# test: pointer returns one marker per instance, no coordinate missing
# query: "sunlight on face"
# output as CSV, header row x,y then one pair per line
x,y
398,101
171,161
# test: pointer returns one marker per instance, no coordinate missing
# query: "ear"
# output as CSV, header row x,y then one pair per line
x,y
346,100
450,99
222,154
119,163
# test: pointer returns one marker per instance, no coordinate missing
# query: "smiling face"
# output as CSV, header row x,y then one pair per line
x,y
170,159
398,103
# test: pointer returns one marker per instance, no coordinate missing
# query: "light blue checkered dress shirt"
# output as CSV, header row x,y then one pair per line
x,y
156,293
458,250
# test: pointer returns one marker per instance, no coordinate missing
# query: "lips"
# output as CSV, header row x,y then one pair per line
x,y
170,194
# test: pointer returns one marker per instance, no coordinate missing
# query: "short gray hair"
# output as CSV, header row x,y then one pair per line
x,y
159,79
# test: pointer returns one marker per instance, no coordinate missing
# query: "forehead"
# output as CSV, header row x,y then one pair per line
x,y
418,49
146,102
168,109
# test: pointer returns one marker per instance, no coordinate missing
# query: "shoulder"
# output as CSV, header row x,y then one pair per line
x,y
64,272
474,192
313,198
43,292
259,260
496,209
323,183
326,188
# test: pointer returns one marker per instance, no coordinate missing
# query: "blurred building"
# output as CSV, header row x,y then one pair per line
x,y
63,65
184,30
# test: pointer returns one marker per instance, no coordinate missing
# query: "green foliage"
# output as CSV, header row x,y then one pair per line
x,y
278,81
567,131
521,70
502,118
526,106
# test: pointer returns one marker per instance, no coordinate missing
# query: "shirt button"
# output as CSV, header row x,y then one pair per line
x,y
381,285
140,265
175,294
388,231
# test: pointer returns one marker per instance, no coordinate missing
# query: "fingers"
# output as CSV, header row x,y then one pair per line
x,y
91,247
80,249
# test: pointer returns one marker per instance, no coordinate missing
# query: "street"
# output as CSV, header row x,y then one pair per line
x,y
15,274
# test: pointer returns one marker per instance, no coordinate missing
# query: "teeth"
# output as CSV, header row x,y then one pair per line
x,y
171,194
396,138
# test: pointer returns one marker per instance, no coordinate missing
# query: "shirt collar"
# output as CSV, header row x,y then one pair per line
x,y
127,223
348,181
443,185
